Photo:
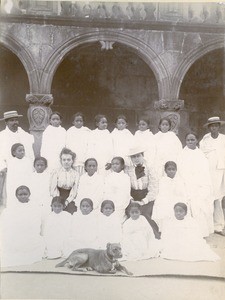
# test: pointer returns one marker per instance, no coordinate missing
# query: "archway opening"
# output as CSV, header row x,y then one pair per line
x,y
203,90
111,82
14,86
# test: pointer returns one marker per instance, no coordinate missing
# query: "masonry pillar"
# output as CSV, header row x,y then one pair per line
x,y
38,115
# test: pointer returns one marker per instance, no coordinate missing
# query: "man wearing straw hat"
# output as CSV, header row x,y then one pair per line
x,y
213,145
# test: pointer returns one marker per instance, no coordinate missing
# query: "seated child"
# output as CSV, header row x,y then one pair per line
x,y
57,229
171,187
182,238
21,242
138,241
110,230
91,184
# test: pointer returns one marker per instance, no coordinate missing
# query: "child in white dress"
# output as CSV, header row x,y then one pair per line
x,y
77,139
138,241
109,225
53,141
117,187
168,145
182,238
57,229
91,185
21,242
100,145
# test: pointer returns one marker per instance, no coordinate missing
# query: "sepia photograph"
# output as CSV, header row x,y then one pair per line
x,y
112,150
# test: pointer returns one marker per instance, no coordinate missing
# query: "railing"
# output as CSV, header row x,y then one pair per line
x,y
198,13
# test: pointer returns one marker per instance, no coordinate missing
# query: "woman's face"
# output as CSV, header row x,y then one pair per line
x,y
78,122
102,124
66,161
191,141
142,125
121,124
55,120
164,126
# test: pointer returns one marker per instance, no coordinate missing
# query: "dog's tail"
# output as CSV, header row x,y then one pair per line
x,y
61,264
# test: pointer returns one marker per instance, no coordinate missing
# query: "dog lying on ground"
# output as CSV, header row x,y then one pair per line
x,y
102,261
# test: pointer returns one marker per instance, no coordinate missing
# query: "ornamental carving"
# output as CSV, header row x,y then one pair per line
x,y
39,99
38,117
173,105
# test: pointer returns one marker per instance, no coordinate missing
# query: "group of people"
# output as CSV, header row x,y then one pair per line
x,y
92,187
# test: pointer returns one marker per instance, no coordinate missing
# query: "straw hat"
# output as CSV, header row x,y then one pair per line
x,y
10,114
136,150
213,120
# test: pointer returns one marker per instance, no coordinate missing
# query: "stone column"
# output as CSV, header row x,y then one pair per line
x,y
38,115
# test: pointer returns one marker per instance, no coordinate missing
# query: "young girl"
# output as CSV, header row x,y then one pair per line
x,y
145,138
171,188
182,238
19,172
138,240
57,229
64,180
168,145
117,187
122,138
53,141
77,138
21,242
91,184
109,229
194,169
100,146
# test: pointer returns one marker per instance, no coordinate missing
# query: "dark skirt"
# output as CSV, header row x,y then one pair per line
x,y
71,207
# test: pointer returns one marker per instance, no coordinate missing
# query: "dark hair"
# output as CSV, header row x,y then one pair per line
x,y
133,205
68,151
145,119
56,113
78,114
89,159
170,163
121,161
123,117
99,117
193,133
14,147
107,202
167,119
58,199
42,159
22,187
87,200
181,204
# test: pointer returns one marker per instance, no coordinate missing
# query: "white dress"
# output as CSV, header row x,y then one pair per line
x,y
90,187
122,142
138,241
109,230
182,240
194,170
77,140
117,188
168,147
53,141
56,234
21,242
146,139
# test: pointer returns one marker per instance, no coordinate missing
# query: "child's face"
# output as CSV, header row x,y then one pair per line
x,y
91,167
55,120
19,152
134,213
191,141
66,161
57,207
40,166
164,126
137,158
142,125
23,195
171,171
102,124
116,165
107,210
85,207
179,213
121,124
78,122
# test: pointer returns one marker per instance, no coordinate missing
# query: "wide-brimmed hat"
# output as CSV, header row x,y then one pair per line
x,y
136,150
10,114
214,120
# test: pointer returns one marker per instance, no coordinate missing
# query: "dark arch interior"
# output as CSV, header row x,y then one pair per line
x,y
14,86
203,89
112,82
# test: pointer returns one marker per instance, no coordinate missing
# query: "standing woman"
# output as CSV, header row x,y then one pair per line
x,y
194,169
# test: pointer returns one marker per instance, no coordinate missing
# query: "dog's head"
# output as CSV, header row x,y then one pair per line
x,y
114,250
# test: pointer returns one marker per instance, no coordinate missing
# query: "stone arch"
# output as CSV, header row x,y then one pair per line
x,y
26,59
140,48
189,60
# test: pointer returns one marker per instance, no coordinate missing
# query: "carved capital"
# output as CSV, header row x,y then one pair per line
x,y
169,105
39,99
